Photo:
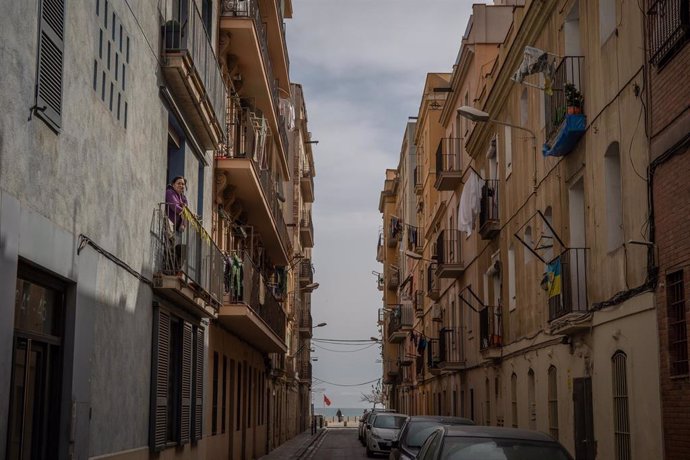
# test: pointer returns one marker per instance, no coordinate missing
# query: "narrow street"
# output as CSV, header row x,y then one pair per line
x,y
338,443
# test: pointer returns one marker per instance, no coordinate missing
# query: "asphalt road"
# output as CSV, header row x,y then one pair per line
x,y
339,443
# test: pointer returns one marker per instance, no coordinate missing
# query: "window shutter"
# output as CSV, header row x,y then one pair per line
x,y
159,379
186,386
50,60
199,384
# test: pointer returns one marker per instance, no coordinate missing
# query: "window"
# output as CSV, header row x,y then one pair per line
x,y
472,403
607,19
512,294
621,419
214,408
677,324
238,404
668,23
614,197
508,144
531,401
34,399
524,107
224,392
48,96
553,402
513,400
487,403
177,387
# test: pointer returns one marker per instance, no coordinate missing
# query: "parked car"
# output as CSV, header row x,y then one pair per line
x,y
381,430
490,443
415,431
363,423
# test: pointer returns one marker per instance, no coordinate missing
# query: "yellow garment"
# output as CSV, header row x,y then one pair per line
x,y
194,222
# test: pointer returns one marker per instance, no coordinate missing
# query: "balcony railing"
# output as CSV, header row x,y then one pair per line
x,y
418,179
305,371
432,284
418,300
489,222
393,278
567,287
306,272
433,356
307,230
415,239
449,163
250,9
569,71
305,322
668,27
448,251
184,249
245,284
490,328
451,348
395,230
183,31
400,321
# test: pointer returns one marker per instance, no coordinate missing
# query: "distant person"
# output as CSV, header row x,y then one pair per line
x,y
339,414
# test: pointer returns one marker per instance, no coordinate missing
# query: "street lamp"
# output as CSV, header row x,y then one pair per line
x,y
311,287
320,325
479,116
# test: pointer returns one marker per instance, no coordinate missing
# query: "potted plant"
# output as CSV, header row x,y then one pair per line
x,y
573,99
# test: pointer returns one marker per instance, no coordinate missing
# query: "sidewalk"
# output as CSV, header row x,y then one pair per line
x,y
295,447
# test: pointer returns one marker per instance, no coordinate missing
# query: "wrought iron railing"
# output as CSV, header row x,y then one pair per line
x,y
306,272
451,346
490,327
569,71
183,30
567,283
419,299
244,283
434,355
448,247
184,248
415,239
305,319
432,287
393,278
306,222
401,316
305,370
668,27
488,211
449,155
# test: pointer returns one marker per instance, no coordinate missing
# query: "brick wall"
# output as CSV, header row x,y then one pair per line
x,y
670,90
672,216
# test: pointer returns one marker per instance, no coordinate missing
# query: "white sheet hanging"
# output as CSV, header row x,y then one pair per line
x,y
470,202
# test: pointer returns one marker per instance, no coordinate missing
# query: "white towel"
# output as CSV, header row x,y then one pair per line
x,y
470,203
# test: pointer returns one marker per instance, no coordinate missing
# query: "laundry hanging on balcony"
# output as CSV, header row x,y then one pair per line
x,y
470,202
396,227
535,61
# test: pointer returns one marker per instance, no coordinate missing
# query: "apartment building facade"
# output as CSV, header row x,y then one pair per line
x,y
135,328
668,55
545,305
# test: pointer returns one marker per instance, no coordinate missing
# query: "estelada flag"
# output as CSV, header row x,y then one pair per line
x,y
326,401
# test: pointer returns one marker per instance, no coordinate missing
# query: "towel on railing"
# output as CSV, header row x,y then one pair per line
x,y
470,202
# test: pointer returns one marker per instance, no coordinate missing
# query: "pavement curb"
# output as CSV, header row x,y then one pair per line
x,y
306,448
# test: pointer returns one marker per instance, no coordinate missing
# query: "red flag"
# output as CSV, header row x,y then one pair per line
x,y
326,401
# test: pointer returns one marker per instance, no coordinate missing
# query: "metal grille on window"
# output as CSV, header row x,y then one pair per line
x,y
677,325
621,420
553,402
668,23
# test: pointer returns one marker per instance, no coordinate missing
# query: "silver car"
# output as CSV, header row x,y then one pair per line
x,y
381,430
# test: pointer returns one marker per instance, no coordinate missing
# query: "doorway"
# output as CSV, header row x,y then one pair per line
x,y
585,445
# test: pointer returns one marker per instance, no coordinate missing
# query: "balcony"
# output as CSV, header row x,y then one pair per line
x,y
418,302
188,265
395,230
432,288
400,321
191,70
448,250
668,25
277,45
306,183
295,305
305,324
244,39
451,349
278,364
306,230
565,119
489,222
434,356
305,372
393,278
306,273
448,164
567,292
415,239
491,332
250,310
418,180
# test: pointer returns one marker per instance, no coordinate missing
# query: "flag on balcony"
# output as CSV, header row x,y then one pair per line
x,y
553,273
326,401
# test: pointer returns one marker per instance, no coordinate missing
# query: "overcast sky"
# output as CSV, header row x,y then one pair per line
x,y
362,64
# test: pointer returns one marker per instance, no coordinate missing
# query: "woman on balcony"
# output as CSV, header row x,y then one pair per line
x,y
175,203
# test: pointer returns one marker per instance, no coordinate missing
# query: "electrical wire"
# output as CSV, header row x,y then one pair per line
x,y
344,351
345,384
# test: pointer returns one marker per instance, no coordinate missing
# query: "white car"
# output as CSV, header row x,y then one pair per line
x,y
381,430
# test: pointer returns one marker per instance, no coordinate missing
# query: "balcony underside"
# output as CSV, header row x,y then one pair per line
x,y
190,96
435,370
397,336
306,237
242,321
448,180
305,332
571,323
243,51
247,188
307,185
492,353
490,229
450,270
181,293
451,365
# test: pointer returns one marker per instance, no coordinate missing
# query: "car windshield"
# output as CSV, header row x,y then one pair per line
x,y
417,432
389,421
461,448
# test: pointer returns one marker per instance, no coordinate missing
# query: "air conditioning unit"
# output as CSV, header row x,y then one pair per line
x,y
437,312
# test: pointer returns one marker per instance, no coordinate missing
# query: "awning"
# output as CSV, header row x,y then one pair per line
x,y
567,137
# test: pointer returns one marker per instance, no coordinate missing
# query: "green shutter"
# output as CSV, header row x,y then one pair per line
x,y
198,384
160,356
185,419
50,61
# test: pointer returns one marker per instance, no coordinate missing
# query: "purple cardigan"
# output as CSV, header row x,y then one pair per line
x,y
174,204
